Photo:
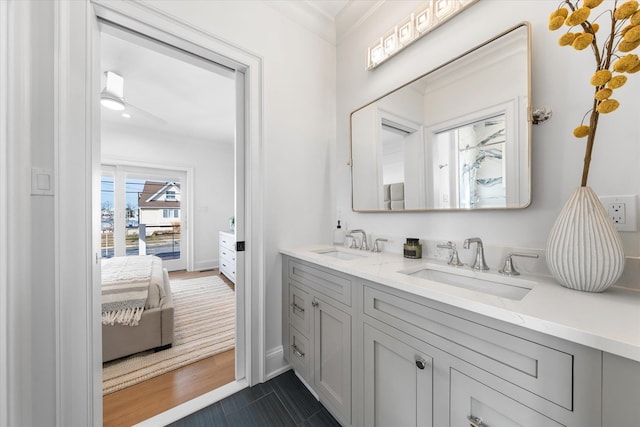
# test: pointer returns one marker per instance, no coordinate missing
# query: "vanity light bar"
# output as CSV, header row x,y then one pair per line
x,y
412,28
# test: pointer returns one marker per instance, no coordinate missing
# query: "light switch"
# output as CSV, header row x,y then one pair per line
x,y
41,182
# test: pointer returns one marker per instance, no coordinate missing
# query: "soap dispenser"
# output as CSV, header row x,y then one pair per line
x,y
338,235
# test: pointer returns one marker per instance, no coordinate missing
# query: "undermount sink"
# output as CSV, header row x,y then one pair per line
x,y
488,283
343,255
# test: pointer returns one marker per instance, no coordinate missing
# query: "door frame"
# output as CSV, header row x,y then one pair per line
x,y
76,88
4,247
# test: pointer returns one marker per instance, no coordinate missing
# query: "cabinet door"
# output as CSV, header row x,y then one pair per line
x,y
332,356
475,404
398,382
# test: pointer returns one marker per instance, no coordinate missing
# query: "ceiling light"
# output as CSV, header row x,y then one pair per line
x,y
112,96
111,102
126,115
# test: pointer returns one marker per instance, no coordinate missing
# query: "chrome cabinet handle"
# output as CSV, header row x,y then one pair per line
x,y
421,363
475,421
296,351
297,307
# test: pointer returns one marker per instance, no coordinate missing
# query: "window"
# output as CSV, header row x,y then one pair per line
x,y
170,196
170,213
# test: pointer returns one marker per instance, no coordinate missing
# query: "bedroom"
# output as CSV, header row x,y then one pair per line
x,y
167,189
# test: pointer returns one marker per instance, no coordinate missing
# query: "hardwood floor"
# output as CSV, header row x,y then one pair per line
x,y
144,400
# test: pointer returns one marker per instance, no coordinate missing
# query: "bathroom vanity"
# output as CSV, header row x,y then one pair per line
x,y
387,341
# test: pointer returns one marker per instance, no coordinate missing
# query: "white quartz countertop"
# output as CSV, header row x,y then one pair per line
x,y
608,321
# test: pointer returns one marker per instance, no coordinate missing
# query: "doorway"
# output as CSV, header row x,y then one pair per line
x,y
168,133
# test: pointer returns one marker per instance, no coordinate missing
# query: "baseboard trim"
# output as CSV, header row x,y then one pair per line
x,y
206,265
275,364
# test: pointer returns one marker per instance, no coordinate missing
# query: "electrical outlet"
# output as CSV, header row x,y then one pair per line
x,y
622,211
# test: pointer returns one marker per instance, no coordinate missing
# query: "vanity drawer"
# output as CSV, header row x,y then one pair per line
x,y
473,403
300,310
299,353
538,368
323,281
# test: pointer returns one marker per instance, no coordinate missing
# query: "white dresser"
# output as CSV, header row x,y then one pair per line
x,y
227,253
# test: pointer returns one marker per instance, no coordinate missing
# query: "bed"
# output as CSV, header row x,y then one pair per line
x,y
137,307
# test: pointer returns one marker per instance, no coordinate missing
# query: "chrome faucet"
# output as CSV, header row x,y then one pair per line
x,y
376,246
509,269
453,258
364,245
479,262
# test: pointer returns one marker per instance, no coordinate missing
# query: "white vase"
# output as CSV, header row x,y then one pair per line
x,y
584,250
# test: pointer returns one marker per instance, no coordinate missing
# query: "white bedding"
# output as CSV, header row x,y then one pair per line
x,y
130,285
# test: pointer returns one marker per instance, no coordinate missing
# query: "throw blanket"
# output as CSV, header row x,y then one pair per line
x,y
125,286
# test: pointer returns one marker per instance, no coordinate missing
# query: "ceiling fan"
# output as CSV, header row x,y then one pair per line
x,y
112,97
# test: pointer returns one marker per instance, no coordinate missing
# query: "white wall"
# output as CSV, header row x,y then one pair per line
x,y
560,80
213,177
299,126
297,134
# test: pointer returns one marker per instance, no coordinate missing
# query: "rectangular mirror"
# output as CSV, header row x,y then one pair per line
x,y
458,137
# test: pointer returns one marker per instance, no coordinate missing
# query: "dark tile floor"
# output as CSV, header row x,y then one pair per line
x,y
280,402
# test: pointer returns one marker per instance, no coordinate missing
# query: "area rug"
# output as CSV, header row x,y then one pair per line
x,y
204,325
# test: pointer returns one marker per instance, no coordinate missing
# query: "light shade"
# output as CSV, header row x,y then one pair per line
x,y
412,28
112,96
111,102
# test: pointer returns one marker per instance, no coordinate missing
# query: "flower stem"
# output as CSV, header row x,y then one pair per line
x,y
593,124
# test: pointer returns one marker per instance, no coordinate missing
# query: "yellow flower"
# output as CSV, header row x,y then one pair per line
x,y
603,94
634,69
556,20
555,23
595,27
581,131
626,63
564,12
635,18
625,47
617,81
567,39
582,41
608,106
579,16
601,77
592,3
626,10
633,34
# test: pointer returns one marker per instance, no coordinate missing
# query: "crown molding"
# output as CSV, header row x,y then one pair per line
x,y
309,16
321,19
353,15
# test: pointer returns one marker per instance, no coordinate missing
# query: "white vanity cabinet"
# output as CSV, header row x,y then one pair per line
x,y
227,254
317,332
490,373
381,356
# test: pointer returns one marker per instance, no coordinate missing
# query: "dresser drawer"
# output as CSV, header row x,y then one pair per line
x,y
227,240
228,255
323,281
228,269
538,368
